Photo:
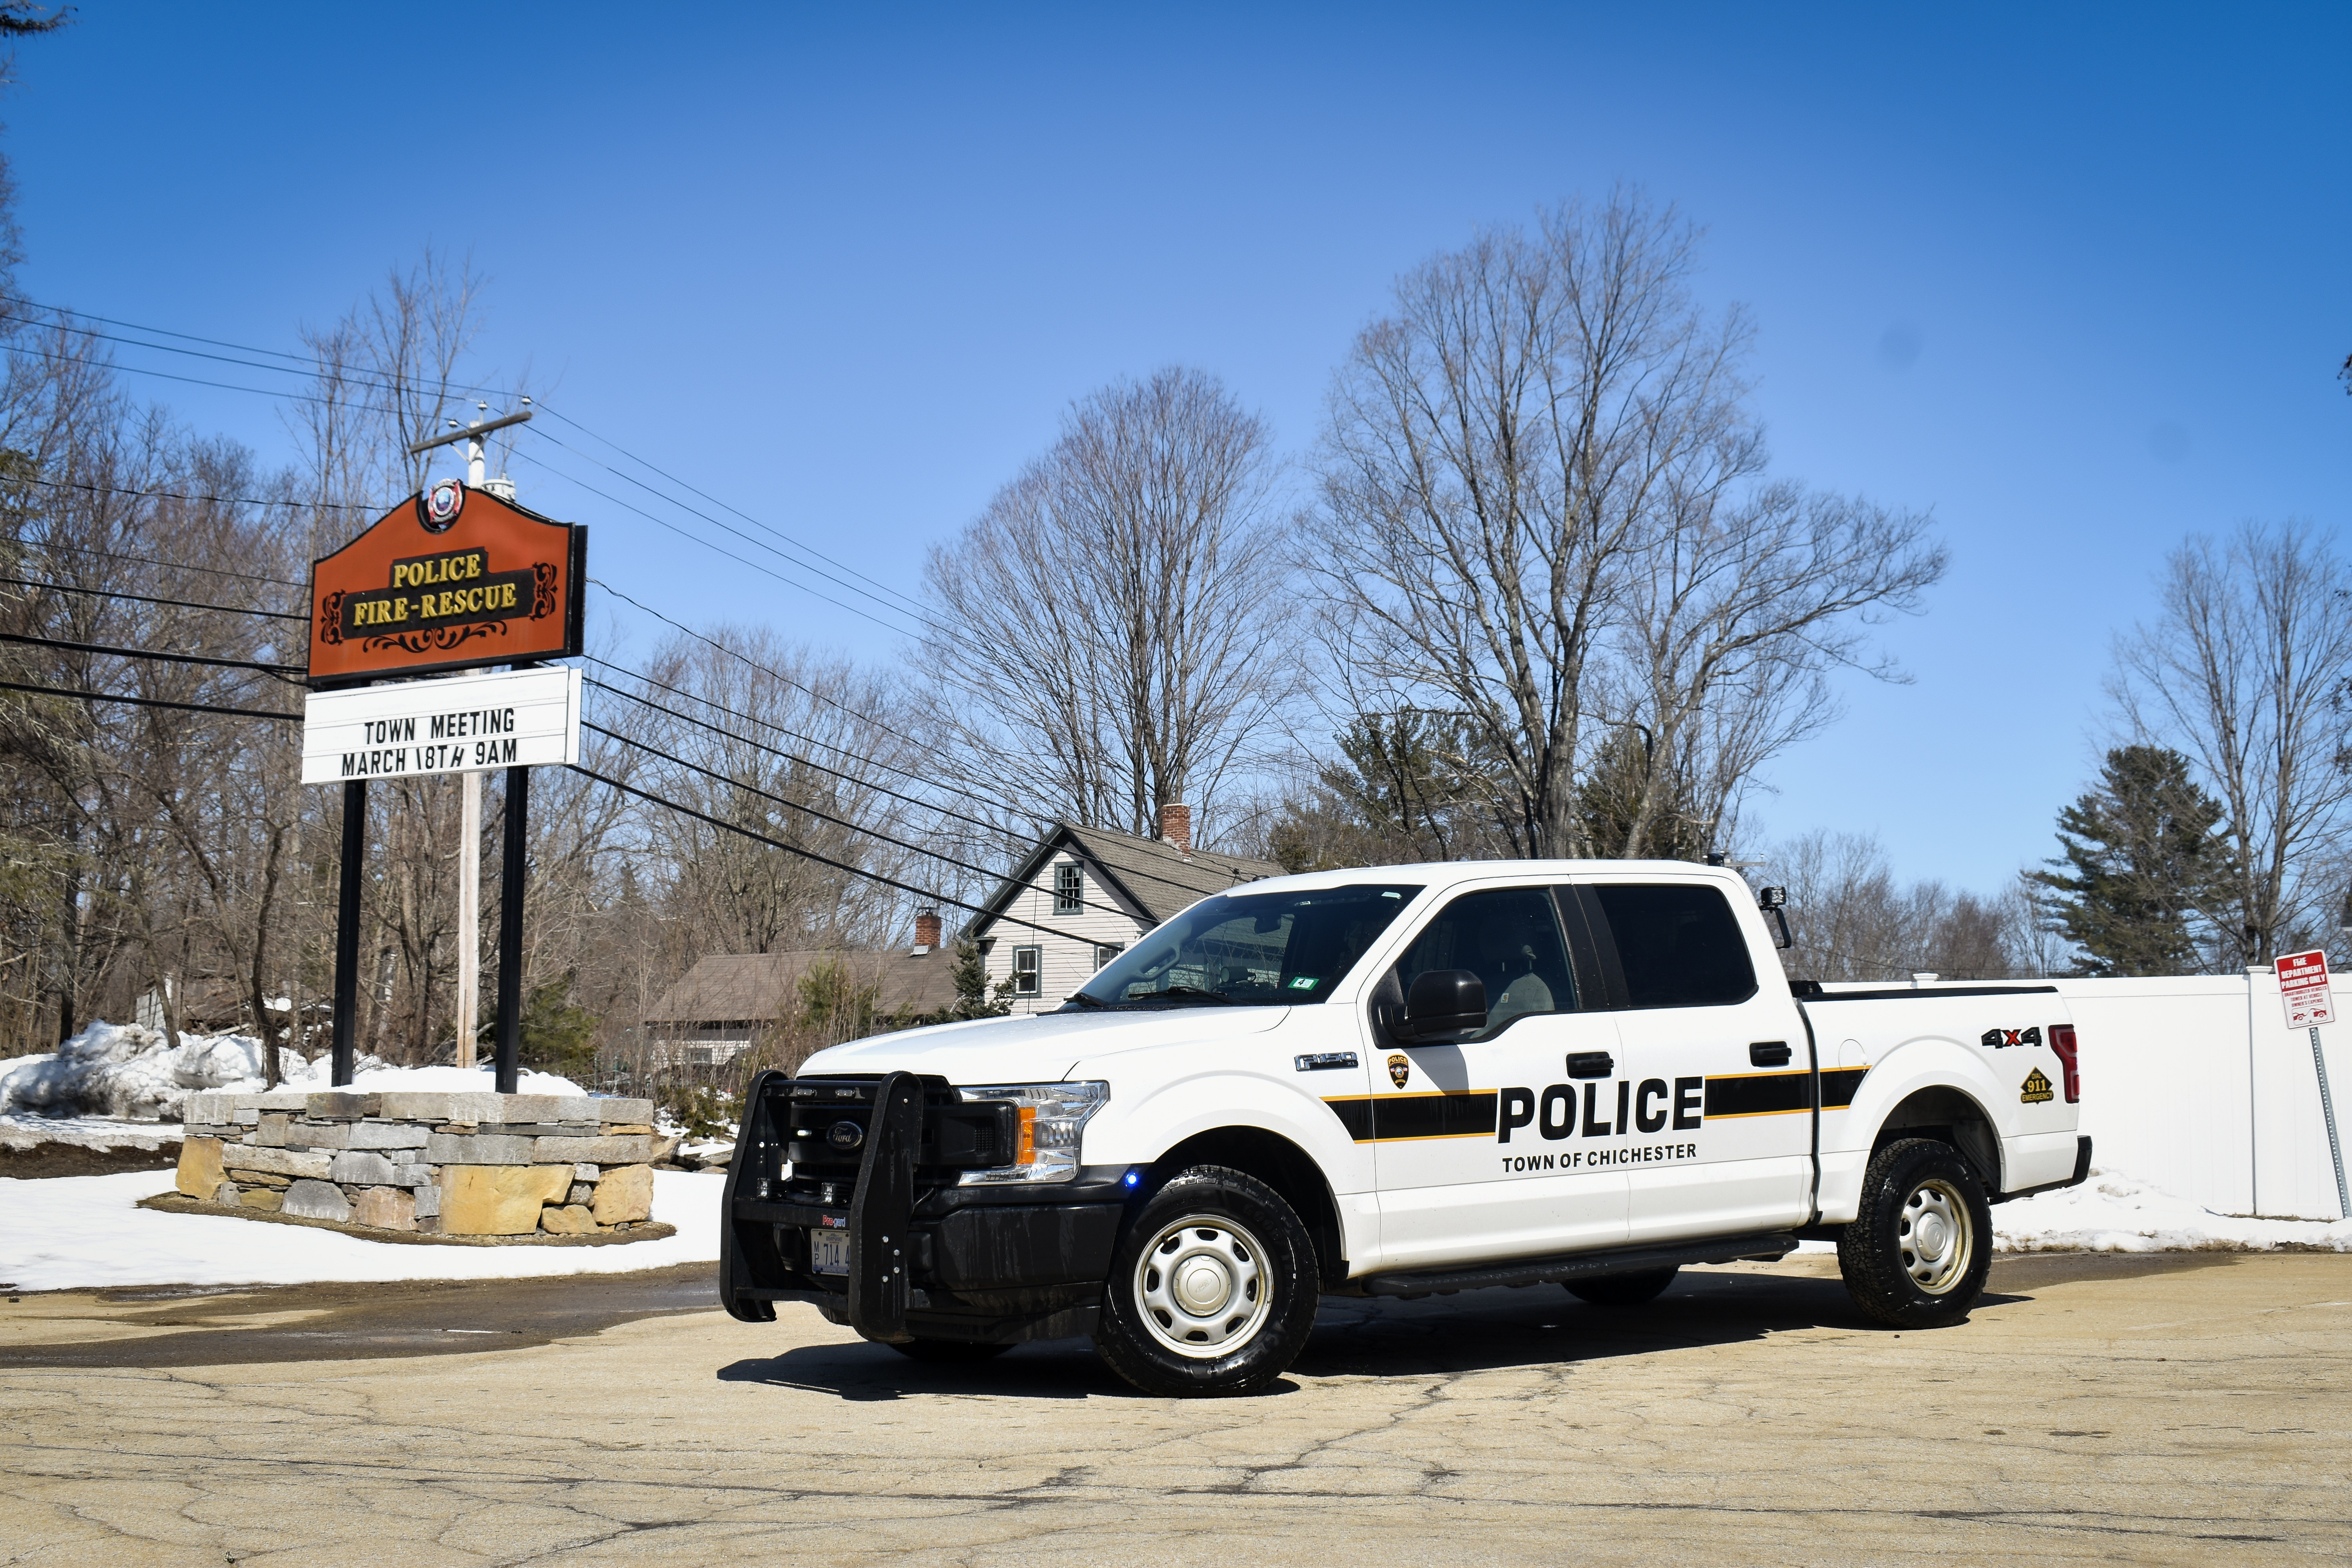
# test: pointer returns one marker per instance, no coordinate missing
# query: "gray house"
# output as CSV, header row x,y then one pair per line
x,y
1092,892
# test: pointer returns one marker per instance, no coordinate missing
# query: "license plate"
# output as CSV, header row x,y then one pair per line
x,y
829,1251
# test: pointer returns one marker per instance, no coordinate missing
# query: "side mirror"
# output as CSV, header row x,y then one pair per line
x,y
1443,1002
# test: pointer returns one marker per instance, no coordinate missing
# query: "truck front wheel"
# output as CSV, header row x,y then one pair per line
x,y
1920,1245
1213,1289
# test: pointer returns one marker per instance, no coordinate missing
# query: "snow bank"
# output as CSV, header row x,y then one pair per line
x,y
2113,1212
86,1232
130,1073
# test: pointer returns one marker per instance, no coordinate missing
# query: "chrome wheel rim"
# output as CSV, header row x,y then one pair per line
x,y
1935,1237
1202,1287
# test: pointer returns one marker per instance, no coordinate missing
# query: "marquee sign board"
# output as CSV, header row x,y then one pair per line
x,y
458,724
453,578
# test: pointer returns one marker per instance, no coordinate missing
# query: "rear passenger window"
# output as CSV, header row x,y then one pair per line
x,y
1678,943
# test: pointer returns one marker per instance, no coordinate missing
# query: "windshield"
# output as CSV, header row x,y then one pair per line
x,y
1258,949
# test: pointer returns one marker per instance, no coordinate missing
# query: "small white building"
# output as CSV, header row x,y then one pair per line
x,y
1084,894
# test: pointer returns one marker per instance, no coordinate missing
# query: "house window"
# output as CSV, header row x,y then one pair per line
x,y
1107,950
1066,891
1027,963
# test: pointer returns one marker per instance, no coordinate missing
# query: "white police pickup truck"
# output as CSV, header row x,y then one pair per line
x,y
1399,1081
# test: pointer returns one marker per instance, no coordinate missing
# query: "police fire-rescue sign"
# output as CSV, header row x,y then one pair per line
x,y
453,578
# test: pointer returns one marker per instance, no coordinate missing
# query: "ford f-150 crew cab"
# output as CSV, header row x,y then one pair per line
x,y
1396,1082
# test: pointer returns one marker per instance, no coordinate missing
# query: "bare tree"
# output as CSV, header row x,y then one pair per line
x,y
1853,920
1106,635
2247,667
1542,508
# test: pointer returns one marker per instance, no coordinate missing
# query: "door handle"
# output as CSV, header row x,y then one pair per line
x,y
1590,1064
1769,1053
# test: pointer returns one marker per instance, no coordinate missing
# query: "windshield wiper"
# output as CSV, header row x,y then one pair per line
x,y
1190,993
1081,999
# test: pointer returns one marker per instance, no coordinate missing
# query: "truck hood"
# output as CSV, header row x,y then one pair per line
x,y
1040,1050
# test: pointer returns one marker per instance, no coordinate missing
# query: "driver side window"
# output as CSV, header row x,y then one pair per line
x,y
1510,939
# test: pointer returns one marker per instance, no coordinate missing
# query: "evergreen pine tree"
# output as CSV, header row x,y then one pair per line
x,y
2142,867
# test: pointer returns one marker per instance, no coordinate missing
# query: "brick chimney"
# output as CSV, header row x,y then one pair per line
x,y
927,928
1176,826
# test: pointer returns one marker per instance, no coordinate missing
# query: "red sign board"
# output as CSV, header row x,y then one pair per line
x,y
453,578
2303,990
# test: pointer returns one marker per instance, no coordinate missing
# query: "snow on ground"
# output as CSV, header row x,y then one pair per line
x,y
133,1074
2113,1212
80,1232
90,1131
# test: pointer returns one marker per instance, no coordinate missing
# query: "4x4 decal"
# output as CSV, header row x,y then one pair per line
x,y
1998,1039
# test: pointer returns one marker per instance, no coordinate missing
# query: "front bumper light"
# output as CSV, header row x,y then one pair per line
x,y
1053,1117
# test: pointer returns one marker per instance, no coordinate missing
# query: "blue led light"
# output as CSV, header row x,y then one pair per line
x,y
1133,1177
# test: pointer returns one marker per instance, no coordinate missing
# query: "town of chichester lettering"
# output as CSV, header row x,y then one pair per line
x,y
435,602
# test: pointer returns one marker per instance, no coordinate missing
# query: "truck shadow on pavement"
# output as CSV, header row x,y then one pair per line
x,y
1483,1330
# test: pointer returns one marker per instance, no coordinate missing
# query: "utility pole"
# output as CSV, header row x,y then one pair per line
x,y
469,840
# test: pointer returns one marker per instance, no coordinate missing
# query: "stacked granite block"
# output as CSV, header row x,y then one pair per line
x,y
451,1165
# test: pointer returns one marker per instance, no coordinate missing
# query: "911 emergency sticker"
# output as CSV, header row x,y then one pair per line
x,y
2035,1089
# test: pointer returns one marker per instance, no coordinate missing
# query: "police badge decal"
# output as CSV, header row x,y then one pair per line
x,y
1400,1069
438,507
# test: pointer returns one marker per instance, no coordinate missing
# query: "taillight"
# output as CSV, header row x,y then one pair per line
x,y
2062,1041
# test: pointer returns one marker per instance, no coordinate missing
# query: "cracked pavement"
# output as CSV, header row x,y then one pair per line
x,y
2174,1409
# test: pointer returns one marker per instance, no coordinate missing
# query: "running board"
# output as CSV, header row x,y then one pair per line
x,y
1766,1246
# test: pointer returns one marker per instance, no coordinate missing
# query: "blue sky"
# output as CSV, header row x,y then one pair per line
x,y
2069,277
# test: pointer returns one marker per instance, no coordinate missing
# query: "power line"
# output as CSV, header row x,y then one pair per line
x,y
806,854
282,672
939,856
715,523
755,664
200,381
812,740
707,544
176,495
788,756
307,362
150,701
144,599
768,528
174,565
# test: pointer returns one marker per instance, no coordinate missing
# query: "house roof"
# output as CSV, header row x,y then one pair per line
x,y
730,986
1154,876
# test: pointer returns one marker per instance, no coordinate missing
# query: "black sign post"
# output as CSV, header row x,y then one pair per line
x,y
511,882
347,925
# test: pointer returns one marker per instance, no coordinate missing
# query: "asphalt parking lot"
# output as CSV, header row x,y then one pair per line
x,y
2186,1408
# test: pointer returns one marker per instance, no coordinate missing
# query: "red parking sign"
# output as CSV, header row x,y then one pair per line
x,y
2303,990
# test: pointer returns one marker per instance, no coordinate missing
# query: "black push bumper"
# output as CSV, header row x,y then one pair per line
x,y
927,1259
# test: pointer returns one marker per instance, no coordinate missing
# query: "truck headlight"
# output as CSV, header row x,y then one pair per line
x,y
1052,1115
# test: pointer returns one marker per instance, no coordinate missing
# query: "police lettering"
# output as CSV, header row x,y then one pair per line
x,y
1608,1109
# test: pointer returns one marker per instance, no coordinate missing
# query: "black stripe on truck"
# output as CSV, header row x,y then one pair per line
x,y
1393,1118
1778,1093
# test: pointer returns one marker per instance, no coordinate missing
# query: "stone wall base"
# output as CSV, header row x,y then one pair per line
x,y
503,1167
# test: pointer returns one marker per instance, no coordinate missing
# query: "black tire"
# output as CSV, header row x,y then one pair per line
x,y
1249,1246
1623,1290
949,1351
1918,1252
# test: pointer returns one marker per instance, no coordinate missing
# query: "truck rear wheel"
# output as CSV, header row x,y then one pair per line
x,y
1213,1289
1920,1245
1623,1290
